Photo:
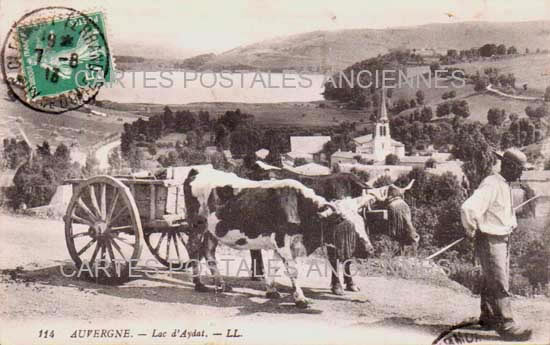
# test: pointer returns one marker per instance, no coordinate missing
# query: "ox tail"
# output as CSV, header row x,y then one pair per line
x,y
399,218
345,240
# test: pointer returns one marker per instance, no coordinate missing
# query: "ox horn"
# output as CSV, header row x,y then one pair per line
x,y
404,189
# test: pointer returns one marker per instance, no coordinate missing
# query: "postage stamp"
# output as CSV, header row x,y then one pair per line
x,y
61,57
282,172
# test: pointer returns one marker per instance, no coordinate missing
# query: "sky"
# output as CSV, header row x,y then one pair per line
x,y
189,27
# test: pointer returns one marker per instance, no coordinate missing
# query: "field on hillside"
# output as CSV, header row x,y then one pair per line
x,y
533,69
433,91
73,127
303,114
481,103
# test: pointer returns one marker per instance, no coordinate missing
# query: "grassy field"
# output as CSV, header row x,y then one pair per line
x,y
74,128
303,114
533,69
481,103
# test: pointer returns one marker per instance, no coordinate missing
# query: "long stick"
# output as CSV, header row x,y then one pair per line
x,y
445,248
527,201
442,250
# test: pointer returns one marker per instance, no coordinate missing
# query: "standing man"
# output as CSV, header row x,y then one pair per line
x,y
488,217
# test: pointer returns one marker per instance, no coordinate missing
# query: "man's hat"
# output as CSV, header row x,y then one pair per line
x,y
515,156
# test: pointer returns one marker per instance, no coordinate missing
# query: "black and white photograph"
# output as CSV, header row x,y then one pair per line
x,y
274,172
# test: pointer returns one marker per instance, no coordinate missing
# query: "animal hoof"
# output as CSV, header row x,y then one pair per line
x,y
337,290
303,303
353,287
273,294
202,288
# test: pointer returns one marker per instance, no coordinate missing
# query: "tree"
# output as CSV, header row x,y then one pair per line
x,y
204,118
91,167
461,108
488,50
471,146
135,158
443,109
430,163
420,97
382,180
537,113
392,159
115,161
168,119
361,174
426,114
244,140
434,66
62,153
481,83
453,53
34,184
512,50
221,136
496,117
15,152
501,49
44,149
547,94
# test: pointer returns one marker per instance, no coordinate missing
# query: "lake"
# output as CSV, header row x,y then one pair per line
x,y
183,87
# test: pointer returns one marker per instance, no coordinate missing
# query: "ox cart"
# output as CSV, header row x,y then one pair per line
x,y
109,218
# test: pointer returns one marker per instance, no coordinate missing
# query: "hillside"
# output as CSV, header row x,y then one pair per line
x,y
343,47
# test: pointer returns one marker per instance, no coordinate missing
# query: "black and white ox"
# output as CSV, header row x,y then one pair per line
x,y
338,186
263,215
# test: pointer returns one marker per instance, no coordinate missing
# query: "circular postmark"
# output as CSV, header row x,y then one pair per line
x,y
56,59
466,332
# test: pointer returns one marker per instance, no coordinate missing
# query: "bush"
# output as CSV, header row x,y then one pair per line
x,y
152,150
392,159
430,163
382,180
465,273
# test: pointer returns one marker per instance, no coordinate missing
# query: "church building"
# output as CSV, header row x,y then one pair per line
x,y
378,145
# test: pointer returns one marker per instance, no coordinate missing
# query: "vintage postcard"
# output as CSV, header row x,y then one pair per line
x,y
274,172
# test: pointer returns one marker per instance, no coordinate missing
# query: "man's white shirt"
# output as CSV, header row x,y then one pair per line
x,y
490,208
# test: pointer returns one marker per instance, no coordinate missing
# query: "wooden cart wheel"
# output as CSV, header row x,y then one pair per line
x,y
169,247
103,230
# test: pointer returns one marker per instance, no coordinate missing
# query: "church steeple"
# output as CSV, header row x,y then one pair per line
x,y
383,112
382,129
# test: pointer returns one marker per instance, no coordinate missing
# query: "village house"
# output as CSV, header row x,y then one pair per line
x,y
342,157
308,148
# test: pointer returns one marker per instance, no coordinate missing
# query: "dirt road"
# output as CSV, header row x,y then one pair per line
x,y
102,154
36,295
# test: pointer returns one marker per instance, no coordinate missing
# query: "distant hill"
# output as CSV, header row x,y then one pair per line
x,y
140,63
341,48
